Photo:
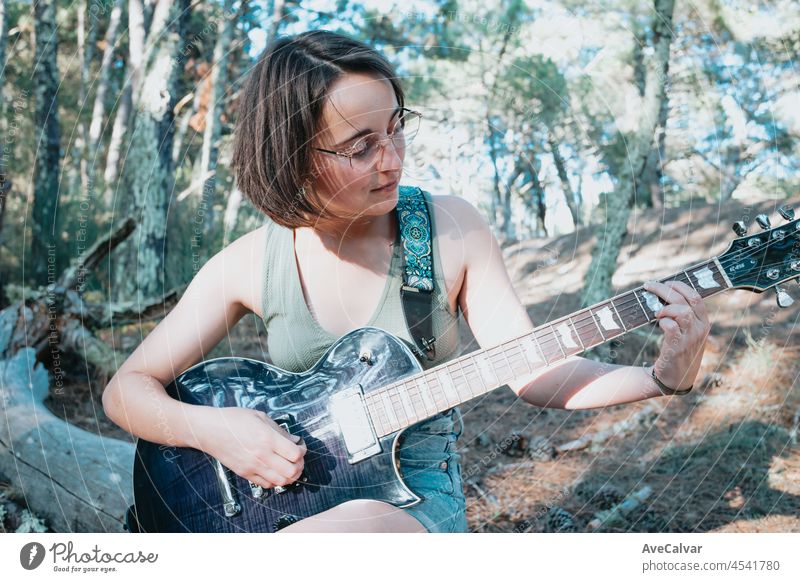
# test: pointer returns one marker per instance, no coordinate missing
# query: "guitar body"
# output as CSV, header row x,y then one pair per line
x,y
179,489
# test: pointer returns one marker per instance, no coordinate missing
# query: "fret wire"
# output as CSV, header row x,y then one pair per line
x,y
410,386
497,365
690,280
488,367
511,356
440,390
505,357
577,333
430,377
421,388
466,379
522,355
597,324
529,350
491,363
539,347
470,362
387,405
646,315
447,383
405,400
542,345
463,380
553,331
593,317
373,413
622,321
426,395
500,364
525,365
479,373
399,409
453,382
591,331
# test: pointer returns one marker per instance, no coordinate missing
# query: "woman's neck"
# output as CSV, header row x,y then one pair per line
x,y
353,238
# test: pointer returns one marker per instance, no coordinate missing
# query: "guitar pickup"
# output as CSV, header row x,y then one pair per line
x,y
348,409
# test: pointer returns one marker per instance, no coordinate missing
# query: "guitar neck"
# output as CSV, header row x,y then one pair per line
x,y
415,398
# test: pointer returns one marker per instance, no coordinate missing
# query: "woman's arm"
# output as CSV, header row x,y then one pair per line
x,y
135,398
495,314
245,440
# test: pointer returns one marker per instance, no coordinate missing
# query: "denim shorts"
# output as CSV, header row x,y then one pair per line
x,y
431,467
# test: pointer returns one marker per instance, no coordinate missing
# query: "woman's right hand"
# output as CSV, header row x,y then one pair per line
x,y
251,444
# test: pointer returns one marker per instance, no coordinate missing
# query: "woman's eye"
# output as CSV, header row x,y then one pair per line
x,y
360,149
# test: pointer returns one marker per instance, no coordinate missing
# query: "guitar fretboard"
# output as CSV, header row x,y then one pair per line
x,y
408,401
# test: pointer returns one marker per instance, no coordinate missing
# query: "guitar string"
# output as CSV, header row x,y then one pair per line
x,y
577,321
547,336
586,318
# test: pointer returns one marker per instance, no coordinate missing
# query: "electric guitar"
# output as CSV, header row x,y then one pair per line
x,y
368,387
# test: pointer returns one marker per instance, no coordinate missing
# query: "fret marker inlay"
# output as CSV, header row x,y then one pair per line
x,y
607,318
531,351
566,335
488,374
705,278
652,301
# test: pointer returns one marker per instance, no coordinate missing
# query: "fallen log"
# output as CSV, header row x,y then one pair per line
x,y
76,480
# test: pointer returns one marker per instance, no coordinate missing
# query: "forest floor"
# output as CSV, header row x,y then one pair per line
x,y
723,458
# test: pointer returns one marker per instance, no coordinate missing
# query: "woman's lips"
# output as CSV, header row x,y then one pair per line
x,y
388,186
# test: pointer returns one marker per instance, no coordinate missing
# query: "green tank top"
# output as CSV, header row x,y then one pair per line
x,y
294,338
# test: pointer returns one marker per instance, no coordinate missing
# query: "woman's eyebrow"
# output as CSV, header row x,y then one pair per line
x,y
365,131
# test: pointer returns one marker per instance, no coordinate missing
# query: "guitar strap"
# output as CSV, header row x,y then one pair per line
x,y
416,290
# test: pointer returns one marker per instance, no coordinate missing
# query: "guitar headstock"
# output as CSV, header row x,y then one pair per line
x,y
766,259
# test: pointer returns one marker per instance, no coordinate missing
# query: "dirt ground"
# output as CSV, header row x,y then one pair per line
x,y
725,458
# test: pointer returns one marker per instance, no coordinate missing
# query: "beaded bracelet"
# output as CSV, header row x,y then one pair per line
x,y
666,390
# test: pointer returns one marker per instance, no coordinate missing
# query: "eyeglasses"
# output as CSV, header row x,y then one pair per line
x,y
363,153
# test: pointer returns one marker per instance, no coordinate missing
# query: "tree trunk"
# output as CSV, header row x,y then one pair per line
x,y
149,174
495,202
136,41
99,108
604,258
213,126
234,199
566,187
5,186
654,172
46,168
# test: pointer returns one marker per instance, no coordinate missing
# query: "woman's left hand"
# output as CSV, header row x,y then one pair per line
x,y
685,324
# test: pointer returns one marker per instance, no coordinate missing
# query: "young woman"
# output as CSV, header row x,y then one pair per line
x,y
319,147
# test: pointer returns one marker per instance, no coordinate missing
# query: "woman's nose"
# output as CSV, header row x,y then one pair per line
x,y
394,161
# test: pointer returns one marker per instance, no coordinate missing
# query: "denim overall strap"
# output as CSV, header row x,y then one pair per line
x,y
416,291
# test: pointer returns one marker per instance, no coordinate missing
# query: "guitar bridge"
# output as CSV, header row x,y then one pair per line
x,y
348,409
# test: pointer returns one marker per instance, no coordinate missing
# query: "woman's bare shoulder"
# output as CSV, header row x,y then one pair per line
x,y
457,220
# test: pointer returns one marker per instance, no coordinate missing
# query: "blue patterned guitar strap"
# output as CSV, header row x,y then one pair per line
x,y
416,291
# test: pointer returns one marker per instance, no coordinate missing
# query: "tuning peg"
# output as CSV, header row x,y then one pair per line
x,y
763,221
739,228
784,299
787,212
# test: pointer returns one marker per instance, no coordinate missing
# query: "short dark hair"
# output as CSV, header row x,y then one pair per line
x,y
280,112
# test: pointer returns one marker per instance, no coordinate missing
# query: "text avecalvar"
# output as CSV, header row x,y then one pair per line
x,y
671,549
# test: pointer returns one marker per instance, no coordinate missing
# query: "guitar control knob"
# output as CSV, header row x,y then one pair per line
x,y
784,299
763,221
739,228
787,212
